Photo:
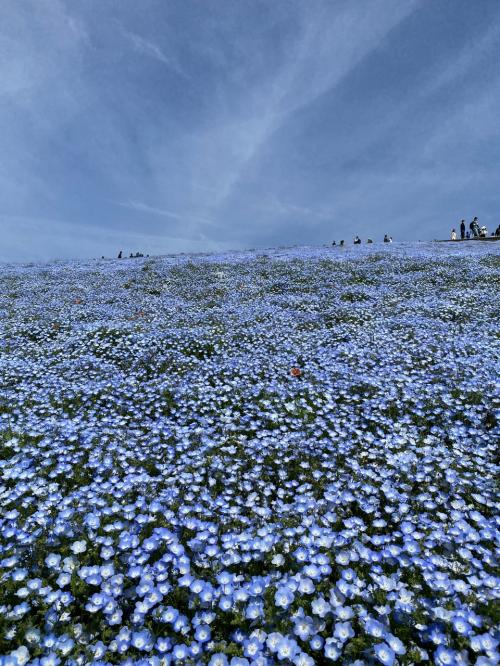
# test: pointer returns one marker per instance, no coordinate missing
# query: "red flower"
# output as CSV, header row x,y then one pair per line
x,y
295,372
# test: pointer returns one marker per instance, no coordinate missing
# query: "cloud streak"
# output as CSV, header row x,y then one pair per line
x,y
149,49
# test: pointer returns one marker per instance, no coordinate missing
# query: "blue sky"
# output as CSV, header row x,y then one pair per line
x,y
225,124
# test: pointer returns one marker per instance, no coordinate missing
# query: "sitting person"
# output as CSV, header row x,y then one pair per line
x,y
357,240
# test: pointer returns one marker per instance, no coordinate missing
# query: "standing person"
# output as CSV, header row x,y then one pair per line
x,y
462,229
453,234
475,227
120,254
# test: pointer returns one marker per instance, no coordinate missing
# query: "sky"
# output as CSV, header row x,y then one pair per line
x,y
210,125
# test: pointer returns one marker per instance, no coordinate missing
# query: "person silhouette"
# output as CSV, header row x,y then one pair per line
x,y
462,229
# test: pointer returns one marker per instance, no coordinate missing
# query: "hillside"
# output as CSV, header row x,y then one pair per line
x,y
261,457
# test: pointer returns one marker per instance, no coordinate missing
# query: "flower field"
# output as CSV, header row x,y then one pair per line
x,y
286,456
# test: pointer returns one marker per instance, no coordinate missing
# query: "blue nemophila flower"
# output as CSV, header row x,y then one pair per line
x,y
17,657
202,633
79,547
254,610
272,641
303,627
252,647
343,612
19,575
320,607
461,626
286,649
306,585
218,659
384,654
283,597
92,520
142,640
343,631
395,644
375,628
163,644
332,649
53,560
444,656
180,651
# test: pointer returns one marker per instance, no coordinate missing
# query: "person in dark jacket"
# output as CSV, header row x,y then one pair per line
x,y
474,225
120,254
462,229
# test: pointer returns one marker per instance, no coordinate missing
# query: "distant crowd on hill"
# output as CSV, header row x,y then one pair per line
x,y
131,255
475,231
357,241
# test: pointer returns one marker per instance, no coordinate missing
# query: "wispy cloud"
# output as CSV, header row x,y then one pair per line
x,y
150,49
162,212
331,42
145,208
275,206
